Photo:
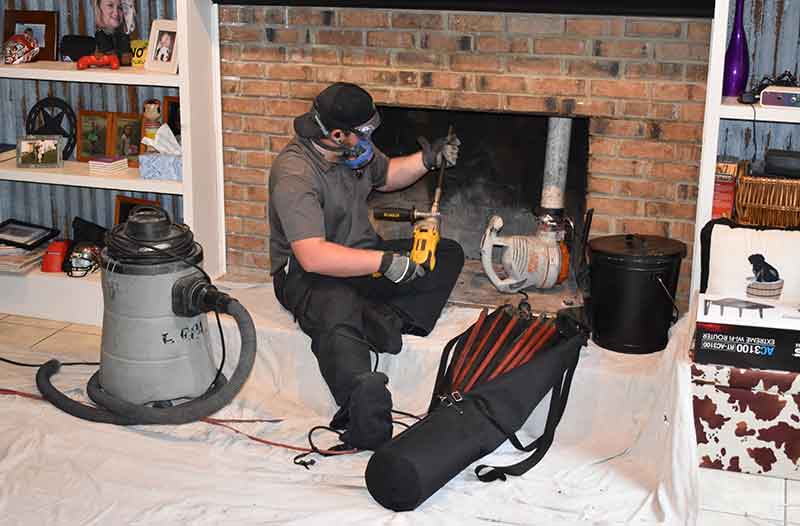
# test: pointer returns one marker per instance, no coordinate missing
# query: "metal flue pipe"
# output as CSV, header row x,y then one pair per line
x,y
559,130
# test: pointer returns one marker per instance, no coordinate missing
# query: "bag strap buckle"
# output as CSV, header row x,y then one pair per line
x,y
452,400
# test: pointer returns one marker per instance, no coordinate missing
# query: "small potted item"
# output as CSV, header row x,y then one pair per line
x,y
766,281
151,121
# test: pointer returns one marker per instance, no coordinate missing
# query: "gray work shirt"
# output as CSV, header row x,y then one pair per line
x,y
312,197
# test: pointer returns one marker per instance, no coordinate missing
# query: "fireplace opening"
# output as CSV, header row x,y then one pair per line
x,y
500,172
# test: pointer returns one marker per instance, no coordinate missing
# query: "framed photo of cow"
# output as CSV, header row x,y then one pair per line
x,y
40,151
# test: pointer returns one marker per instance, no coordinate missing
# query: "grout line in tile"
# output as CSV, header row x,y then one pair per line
x,y
29,321
746,515
43,339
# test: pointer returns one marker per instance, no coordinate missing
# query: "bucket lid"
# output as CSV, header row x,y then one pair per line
x,y
638,246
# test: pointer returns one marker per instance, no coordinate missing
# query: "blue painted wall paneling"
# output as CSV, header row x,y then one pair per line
x,y
773,33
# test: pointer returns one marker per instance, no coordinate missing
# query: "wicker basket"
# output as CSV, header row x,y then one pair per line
x,y
767,201
772,289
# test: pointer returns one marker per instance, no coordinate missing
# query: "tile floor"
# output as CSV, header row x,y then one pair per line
x,y
726,499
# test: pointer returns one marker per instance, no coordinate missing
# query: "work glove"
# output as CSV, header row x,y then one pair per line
x,y
399,268
442,148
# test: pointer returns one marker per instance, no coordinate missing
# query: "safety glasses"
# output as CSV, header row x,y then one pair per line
x,y
366,129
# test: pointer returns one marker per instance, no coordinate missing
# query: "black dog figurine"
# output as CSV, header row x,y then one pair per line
x,y
763,271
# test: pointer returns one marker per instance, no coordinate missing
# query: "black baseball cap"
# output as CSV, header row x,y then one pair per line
x,y
341,105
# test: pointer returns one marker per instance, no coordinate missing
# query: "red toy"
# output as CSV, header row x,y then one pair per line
x,y
93,60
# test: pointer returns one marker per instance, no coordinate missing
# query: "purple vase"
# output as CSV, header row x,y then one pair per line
x,y
737,60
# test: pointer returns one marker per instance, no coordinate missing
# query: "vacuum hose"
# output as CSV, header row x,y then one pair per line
x,y
113,410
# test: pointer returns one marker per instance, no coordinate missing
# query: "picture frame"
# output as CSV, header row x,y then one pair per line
x,y
126,136
40,151
171,110
43,24
94,134
25,235
162,49
123,205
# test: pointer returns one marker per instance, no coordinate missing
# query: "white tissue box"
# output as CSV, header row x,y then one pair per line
x,y
161,166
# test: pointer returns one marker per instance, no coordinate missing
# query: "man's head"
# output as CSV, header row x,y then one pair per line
x,y
341,107
342,119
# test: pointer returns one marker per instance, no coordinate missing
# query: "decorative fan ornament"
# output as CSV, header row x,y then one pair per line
x,y
53,116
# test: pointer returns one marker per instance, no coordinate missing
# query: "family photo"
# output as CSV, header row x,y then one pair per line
x,y
166,43
93,131
162,50
127,135
37,31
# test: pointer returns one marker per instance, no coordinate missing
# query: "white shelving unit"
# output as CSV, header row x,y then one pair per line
x,y
68,72
718,108
77,174
733,109
198,79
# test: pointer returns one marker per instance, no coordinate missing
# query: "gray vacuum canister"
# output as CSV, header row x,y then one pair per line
x,y
148,353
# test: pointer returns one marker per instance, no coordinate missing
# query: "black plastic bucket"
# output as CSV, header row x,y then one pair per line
x,y
633,283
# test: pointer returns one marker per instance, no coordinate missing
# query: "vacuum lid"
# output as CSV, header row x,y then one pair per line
x,y
148,224
638,246
149,237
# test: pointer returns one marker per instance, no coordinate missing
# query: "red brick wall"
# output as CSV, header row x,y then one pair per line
x,y
642,81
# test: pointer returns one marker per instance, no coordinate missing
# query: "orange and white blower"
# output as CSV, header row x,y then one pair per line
x,y
541,259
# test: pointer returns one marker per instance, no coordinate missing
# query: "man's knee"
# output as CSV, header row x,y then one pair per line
x,y
331,302
452,252
449,262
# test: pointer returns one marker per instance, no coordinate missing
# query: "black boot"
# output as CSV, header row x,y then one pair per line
x,y
368,417
383,327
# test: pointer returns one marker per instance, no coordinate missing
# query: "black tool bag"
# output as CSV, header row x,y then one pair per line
x,y
491,377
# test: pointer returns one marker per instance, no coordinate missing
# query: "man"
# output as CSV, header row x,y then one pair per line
x,y
348,289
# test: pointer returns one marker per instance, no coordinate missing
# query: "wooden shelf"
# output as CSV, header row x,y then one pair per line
x,y
68,72
77,174
732,109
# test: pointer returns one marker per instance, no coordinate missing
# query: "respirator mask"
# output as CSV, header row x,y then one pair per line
x,y
359,155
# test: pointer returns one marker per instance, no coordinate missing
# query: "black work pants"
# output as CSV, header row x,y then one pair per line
x,y
346,317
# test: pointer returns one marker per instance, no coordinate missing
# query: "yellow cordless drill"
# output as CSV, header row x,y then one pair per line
x,y
427,225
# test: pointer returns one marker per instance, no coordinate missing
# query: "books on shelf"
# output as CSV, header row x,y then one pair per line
x,y
18,260
107,165
727,171
7,151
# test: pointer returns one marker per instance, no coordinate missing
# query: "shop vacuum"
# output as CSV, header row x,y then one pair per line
x,y
156,365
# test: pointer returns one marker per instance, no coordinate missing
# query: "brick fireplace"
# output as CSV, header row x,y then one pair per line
x,y
641,81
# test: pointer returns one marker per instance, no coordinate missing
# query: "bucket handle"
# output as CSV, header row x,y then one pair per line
x,y
675,311
630,237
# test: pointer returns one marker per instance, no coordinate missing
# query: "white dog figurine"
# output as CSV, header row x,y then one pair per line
x,y
129,16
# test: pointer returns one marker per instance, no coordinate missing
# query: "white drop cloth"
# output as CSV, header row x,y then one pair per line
x,y
624,452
